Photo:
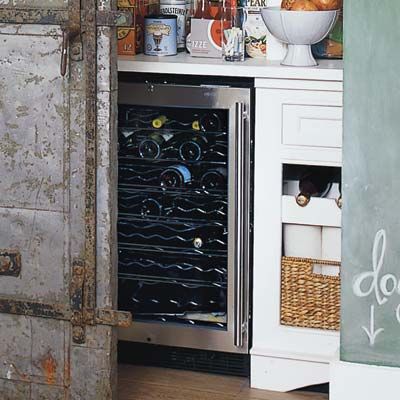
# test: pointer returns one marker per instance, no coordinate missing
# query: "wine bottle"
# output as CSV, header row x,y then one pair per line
x,y
196,125
316,182
151,207
210,122
139,118
158,122
126,139
175,176
214,179
192,147
210,237
152,145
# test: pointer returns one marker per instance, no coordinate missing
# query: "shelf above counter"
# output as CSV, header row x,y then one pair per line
x,y
183,63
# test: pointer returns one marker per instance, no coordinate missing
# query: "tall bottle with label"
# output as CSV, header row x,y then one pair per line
x,y
178,8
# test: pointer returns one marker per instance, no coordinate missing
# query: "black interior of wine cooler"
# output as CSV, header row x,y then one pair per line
x,y
173,207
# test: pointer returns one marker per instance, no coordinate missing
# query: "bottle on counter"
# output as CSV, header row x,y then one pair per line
x,y
176,176
178,8
214,179
315,182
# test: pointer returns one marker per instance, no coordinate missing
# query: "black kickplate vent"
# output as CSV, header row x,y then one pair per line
x,y
182,358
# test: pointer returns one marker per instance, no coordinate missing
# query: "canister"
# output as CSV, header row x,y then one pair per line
x,y
160,35
178,8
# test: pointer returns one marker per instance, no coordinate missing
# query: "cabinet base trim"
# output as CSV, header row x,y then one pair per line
x,y
283,375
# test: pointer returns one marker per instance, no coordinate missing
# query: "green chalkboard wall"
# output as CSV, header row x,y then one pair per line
x,y
371,176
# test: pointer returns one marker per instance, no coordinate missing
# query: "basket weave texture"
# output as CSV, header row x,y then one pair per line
x,y
309,300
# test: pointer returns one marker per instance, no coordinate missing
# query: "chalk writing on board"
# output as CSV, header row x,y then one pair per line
x,y
382,286
371,332
377,285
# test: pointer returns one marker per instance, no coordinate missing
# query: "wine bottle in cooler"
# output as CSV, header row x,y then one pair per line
x,y
315,182
159,121
151,146
150,207
176,176
192,147
210,237
210,122
214,179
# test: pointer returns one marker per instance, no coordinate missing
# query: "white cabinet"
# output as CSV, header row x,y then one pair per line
x,y
297,122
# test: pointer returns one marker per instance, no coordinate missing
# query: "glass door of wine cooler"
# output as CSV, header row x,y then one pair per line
x,y
183,223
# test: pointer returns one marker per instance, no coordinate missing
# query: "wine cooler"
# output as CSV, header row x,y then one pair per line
x,y
184,223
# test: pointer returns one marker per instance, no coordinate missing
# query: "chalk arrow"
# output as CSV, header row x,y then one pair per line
x,y
371,332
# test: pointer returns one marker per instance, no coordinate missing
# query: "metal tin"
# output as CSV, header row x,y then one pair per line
x,y
160,35
178,8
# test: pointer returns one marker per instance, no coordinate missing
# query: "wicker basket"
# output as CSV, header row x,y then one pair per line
x,y
308,299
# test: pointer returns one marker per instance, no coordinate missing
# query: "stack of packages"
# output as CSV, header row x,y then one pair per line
x,y
205,28
131,39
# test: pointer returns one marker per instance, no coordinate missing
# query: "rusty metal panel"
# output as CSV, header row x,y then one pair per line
x,y
57,164
56,4
12,390
32,350
107,200
41,238
31,146
86,384
10,262
34,211
45,392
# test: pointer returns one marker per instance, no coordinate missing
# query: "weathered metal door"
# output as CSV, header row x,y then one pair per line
x,y
57,202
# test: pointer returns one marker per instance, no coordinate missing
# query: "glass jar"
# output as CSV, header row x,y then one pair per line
x,y
233,23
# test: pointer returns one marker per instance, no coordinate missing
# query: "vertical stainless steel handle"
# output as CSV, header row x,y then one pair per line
x,y
240,211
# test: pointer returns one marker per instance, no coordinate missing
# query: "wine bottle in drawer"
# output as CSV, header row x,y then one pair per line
x,y
315,182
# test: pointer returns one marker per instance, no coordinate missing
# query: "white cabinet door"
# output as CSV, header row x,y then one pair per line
x,y
285,358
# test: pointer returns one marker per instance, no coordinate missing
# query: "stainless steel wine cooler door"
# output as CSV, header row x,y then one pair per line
x,y
236,104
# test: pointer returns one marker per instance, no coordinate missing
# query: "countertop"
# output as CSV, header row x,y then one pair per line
x,y
183,63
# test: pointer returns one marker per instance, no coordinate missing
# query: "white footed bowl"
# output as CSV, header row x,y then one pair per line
x,y
299,29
